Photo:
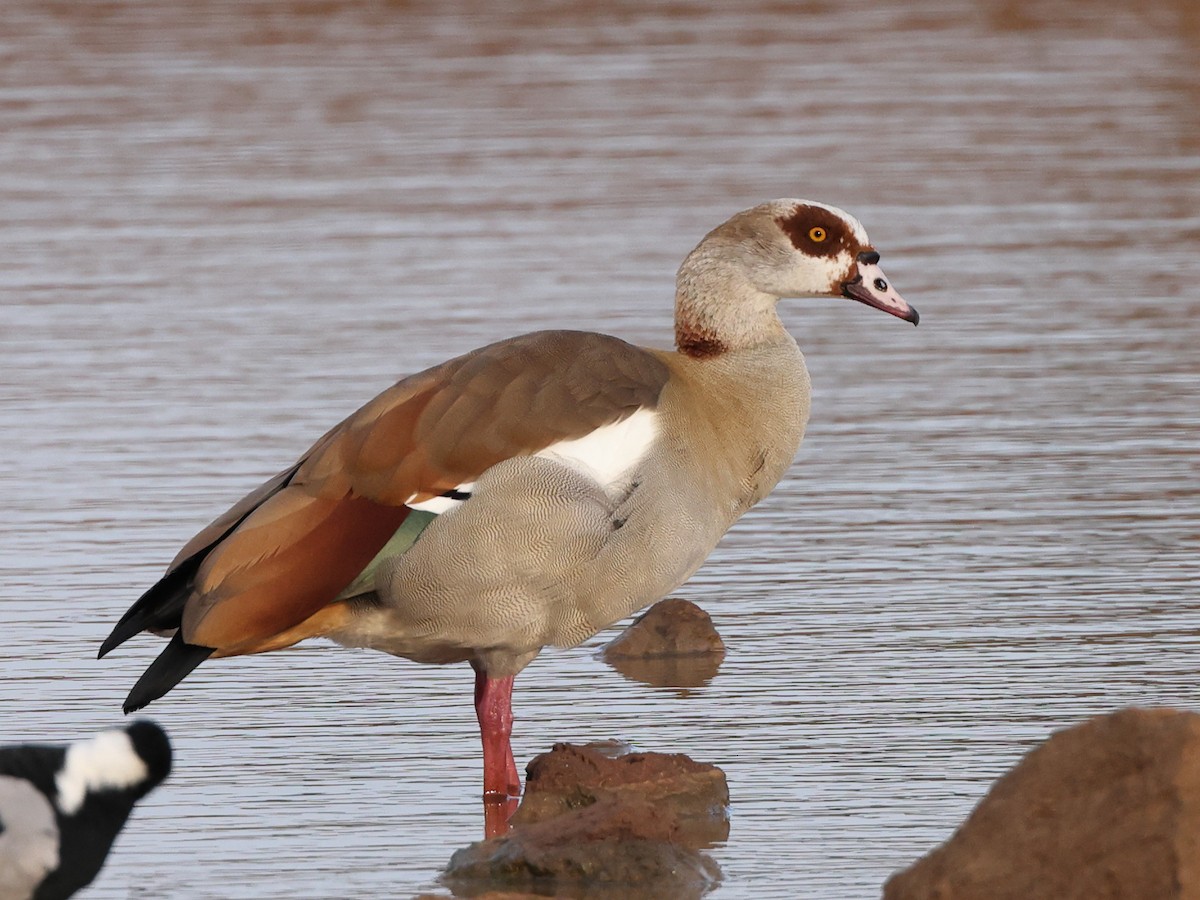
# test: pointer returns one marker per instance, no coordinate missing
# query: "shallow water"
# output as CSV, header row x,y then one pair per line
x,y
225,226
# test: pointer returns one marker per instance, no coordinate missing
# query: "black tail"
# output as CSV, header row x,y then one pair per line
x,y
171,667
160,608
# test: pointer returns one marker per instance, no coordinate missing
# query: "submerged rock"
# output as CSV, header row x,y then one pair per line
x,y
595,826
671,627
595,851
690,799
1107,809
673,644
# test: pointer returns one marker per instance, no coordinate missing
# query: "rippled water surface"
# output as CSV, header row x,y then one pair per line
x,y
223,227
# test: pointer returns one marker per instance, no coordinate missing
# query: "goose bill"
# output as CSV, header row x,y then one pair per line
x,y
872,288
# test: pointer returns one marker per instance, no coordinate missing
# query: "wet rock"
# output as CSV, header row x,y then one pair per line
x,y
671,627
595,826
1107,809
691,797
621,850
673,644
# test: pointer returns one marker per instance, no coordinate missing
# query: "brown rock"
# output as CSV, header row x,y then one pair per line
x,y
690,799
1107,809
632,823
625,846
673,644
671,627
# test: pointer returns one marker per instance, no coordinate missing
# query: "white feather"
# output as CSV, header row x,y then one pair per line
x,y
609,452
106,761
605,455
440,505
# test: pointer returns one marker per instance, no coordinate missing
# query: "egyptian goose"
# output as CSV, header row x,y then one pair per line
x,y
528,493
62,806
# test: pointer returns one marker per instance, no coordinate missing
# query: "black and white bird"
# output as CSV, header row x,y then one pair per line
x,y
63,805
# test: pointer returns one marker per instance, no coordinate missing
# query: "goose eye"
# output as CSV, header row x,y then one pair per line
x,y
817,234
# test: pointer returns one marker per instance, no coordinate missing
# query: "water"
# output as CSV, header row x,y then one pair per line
x,y
225,226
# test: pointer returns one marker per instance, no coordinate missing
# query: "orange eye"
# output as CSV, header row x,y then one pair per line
x,y
818,234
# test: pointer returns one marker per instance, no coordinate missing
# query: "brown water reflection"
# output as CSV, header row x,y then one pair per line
x,y
226,225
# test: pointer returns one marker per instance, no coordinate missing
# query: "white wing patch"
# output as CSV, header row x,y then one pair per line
x,y
610,451
605,455
450,500
106,761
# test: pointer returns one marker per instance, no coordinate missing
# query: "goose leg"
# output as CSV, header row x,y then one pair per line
x,y
493,709
497,815
501,783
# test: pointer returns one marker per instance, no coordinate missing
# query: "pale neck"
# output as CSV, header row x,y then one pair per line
x,y
718,309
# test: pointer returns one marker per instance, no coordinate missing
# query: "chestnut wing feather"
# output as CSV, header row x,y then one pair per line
x,y
289,548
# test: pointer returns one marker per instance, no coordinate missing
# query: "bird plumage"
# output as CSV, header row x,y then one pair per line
x,y
63,805
578,477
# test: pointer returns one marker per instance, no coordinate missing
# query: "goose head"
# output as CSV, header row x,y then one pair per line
x,y
832,256
727,288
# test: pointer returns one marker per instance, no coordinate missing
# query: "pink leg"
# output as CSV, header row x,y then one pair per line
x,y
496,816
493,708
